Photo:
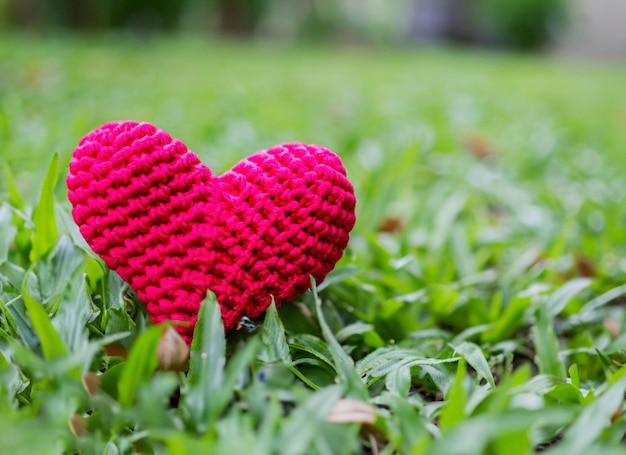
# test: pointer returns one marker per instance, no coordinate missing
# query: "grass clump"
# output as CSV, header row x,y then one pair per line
x,y
478,309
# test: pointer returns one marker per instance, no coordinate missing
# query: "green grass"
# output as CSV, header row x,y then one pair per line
x,y
479,308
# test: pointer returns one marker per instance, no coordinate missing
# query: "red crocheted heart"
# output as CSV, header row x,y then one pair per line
x,y
173,230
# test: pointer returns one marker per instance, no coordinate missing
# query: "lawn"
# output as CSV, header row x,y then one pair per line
x,y
478,308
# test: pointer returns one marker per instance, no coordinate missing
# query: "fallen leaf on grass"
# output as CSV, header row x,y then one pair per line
x,y
91,382
351,411
115,350
585,267
478,146
78,425
391,225
173,352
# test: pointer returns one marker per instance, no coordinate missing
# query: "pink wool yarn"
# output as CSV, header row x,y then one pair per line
x,y
173,230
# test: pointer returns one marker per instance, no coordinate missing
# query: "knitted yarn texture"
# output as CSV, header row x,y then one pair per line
x,y
173,230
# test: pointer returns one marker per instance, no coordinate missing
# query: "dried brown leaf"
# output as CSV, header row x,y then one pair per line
x,y
352,411
391,225
173,352
585,267
115,350
91,382
478,146
77,424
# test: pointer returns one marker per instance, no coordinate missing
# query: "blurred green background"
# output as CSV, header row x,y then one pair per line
x,y
409,119
516,23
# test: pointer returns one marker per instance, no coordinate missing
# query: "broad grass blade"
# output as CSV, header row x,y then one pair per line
x,y
141,364
454,410
45,233
343,362
206,364
273,336
476,359
547,345
592,421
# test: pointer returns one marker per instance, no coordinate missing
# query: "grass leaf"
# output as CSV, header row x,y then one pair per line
x,y
454,410
592,421
337,275
472,436
303,425
343,363
590,307
45,232
510,319
8,231
273,336
547,345
559,298
476,359
51,342
206,365
141,364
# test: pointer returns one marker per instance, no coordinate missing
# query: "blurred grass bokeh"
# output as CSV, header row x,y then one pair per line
x,y
533,116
